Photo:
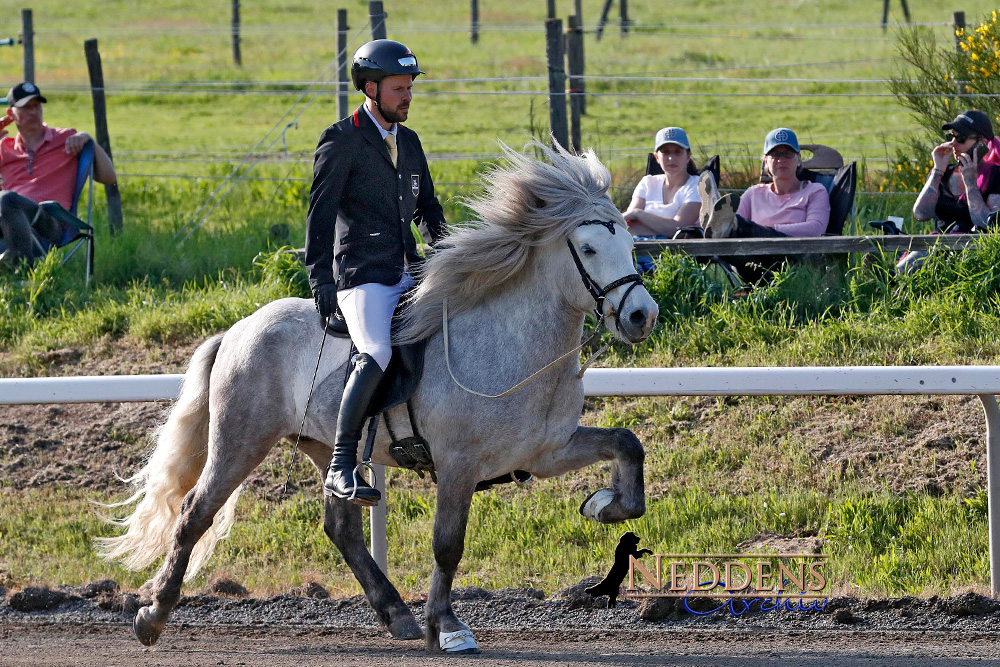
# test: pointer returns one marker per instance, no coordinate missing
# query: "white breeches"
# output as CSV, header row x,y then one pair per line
x,y
367,309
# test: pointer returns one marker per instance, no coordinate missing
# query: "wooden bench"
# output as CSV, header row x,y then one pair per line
x,y
821,245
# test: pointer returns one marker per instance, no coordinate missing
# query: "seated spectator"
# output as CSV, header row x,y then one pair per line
x,y
37,165
664,203
961,195
787,206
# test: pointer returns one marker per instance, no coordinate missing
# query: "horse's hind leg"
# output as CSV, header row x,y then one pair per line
x,y
220,479
342,524
626,499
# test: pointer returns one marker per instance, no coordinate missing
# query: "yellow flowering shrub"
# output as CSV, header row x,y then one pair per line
x,y
937,83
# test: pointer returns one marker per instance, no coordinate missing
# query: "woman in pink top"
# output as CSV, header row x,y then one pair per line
x,y
787,206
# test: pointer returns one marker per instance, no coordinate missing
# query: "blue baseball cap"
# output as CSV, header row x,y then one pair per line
x,y
671,135
781,137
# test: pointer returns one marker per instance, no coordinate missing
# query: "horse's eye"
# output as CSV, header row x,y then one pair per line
x,y
587,250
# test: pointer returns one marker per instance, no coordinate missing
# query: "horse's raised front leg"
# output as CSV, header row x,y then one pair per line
x,y
342,524
626,499
444,631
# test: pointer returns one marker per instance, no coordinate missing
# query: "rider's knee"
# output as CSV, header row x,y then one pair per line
x,y
381,354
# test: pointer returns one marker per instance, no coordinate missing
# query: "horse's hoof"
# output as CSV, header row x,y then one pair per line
x,y
596,502
146,630
460,642
405,628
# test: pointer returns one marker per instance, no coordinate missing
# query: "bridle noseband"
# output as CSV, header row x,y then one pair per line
x,y
599,293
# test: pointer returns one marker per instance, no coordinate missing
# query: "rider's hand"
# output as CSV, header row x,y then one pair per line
x,y
326,299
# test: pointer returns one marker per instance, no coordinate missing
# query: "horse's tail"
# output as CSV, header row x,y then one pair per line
x,y
171,470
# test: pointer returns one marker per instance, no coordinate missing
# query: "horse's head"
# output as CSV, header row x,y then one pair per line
x,y
600,252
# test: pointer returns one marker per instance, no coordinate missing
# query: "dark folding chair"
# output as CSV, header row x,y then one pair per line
x,y
74,229
826,167
712,164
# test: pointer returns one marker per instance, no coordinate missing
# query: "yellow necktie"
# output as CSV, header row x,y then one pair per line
x,y
390,141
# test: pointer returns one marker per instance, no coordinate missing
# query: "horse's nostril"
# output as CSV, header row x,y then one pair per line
x,y
637,318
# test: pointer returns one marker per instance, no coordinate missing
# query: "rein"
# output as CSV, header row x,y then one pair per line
x,y
600,297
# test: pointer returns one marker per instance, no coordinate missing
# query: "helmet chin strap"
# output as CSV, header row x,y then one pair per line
x,y
378,102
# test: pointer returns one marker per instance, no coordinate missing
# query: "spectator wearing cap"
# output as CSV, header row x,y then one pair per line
x,y
37,165
664,203
787,206
962,194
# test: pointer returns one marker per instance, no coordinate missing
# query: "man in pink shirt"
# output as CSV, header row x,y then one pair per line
x,y
37,165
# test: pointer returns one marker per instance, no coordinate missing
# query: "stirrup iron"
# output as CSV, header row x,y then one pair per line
x,y
366,464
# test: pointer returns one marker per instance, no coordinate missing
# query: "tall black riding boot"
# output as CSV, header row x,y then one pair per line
x,y
358,394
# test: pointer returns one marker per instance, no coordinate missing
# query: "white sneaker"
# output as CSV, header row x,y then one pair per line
x,y
722,220
709,193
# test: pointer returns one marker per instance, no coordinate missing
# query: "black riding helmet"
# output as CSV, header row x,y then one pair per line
x,y
378,59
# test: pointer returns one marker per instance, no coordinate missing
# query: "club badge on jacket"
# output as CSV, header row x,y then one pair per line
x,y
415,184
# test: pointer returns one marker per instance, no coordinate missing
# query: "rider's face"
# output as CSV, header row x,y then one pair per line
x,y
396,93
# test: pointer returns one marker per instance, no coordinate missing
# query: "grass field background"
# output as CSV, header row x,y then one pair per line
x,y
179,107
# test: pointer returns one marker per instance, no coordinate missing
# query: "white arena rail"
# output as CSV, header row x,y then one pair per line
x,y
981,381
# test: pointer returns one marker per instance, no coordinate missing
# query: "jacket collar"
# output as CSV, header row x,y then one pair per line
x,y
373,136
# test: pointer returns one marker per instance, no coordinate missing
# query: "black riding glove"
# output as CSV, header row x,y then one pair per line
x,y
326,299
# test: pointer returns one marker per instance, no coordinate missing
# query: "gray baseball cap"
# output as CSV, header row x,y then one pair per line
x,y
671,135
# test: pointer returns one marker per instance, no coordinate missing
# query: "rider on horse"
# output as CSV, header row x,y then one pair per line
x,y
370,180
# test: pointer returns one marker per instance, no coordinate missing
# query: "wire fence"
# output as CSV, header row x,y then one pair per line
x,y
789,98
248,28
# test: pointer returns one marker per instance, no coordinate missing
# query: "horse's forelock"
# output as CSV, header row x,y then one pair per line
x,y
526,203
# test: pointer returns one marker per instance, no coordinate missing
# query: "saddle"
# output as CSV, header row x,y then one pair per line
x,y
397,387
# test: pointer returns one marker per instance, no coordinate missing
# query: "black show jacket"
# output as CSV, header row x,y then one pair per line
x,y
364,202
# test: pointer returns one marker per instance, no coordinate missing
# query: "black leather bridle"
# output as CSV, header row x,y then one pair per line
x,y
599,293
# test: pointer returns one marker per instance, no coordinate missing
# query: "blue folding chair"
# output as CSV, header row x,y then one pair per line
x,y
74,229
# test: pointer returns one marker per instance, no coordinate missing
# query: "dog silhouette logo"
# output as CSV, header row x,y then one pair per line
x,y
611,585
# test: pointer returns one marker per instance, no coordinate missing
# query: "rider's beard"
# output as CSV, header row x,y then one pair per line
x,y
397,115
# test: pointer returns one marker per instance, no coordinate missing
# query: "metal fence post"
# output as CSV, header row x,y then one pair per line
x,y
342,79
28,42
377,16
236,34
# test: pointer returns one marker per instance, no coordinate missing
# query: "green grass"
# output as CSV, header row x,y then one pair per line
x,y
717,473
878,543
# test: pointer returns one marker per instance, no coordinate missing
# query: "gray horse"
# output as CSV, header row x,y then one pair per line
x,y
515,285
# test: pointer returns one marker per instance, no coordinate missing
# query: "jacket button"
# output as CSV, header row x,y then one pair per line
x,y
400,197
400,177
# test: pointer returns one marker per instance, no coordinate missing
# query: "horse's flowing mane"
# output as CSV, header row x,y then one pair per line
x,y
527,203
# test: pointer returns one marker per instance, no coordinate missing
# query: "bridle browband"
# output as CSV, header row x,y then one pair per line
x,y
599,293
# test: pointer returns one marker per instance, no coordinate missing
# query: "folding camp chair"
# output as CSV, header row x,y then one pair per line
x,y
712,165
826,167
74,229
